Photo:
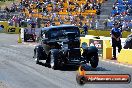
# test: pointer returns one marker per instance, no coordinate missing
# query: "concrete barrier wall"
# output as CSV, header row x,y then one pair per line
x,y
107,49
9,29
5,25
104,33
13,30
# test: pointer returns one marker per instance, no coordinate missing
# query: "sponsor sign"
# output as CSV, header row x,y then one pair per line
x,y
97,43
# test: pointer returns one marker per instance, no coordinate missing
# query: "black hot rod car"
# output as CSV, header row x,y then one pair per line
x,y
60,45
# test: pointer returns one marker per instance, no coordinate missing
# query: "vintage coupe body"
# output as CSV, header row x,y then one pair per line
x,y
60,45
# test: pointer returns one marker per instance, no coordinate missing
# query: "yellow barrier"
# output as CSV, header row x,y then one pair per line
x,y
104,33
125,34
99,33
107,49
13,30
83,39
125,56
5,25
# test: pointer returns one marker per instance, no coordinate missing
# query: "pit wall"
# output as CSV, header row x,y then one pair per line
x,y
125,56
104,33
9,29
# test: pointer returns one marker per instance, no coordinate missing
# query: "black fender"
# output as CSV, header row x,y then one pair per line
x,y
92,49
89,52
40,51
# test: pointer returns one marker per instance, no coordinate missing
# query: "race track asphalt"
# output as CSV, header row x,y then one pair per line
x,y
18,69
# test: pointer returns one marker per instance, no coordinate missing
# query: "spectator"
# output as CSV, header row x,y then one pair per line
x,y
80,17
124,25
71,19
80,24
10,22
105,24
53,16
98,13
33,26
15,20
7,9
97,24
85,28
19,21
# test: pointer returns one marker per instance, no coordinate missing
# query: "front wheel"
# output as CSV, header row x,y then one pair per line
x,y
54,60
94,60
37,58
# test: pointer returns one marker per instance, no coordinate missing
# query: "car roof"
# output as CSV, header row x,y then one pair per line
x,y
61,26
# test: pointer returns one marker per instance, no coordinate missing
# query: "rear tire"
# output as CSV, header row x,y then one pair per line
x,y
94,60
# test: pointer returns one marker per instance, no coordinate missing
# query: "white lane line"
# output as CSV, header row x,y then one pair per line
x,y
25,45
18,45
30,44
116,63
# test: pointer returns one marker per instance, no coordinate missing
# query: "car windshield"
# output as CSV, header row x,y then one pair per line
x,y
56,33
